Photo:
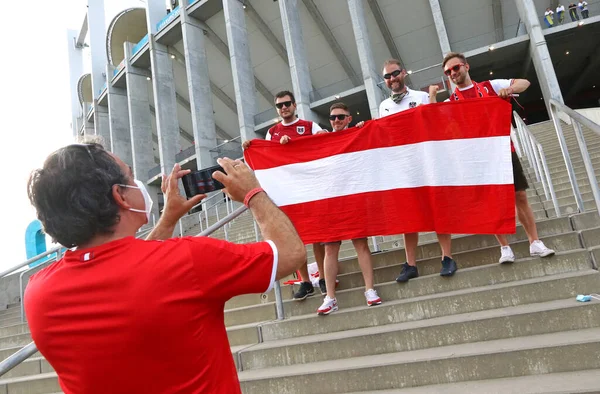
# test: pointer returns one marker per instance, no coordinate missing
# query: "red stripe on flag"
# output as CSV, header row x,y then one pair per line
x,y
488,117
485,209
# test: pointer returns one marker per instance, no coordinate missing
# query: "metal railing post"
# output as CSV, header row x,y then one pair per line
x,y
278,301
539,165
525,140
514,138
375,244
566,156
180,228
587,161
549,180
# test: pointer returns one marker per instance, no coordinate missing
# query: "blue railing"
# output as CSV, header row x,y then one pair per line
x,y
191,2
119,68
136,48
100,91
168,19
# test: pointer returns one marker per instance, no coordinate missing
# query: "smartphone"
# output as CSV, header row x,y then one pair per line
x,y
201,182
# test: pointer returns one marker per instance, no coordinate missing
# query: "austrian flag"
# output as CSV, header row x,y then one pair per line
x,y
441,167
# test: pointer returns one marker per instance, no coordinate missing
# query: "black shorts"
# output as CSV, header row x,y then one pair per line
x,y
518,174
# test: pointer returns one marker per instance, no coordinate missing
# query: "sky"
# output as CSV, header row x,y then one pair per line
x,y
35,104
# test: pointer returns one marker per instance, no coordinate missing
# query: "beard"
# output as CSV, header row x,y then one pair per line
x,y
400,86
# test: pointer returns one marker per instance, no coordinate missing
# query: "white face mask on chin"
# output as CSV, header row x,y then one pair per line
x,y
147,199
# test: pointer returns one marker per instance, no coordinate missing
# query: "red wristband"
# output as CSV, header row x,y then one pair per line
x,y
251,194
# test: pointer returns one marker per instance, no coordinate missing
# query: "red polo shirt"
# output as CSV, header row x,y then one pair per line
x,y
134,316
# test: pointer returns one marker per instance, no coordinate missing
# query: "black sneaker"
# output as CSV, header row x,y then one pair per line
x,y
323,286
408,272
306,290
448,267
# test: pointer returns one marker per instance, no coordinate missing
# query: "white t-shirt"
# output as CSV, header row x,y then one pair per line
x,y
560,9
549,13
411,100
583,5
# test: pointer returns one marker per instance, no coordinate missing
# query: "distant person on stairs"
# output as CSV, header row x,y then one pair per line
x,y
560,13
290,128
583,6
548,17
340,119
456,67
573,12
122,315
403,98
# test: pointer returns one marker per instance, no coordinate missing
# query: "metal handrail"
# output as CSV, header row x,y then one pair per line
x,y
579,119
537,159
17,358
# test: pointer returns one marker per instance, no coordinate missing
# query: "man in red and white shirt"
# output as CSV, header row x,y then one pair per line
x,y
122,315
456,67
290,128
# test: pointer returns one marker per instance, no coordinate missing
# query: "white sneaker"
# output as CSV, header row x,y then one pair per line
x,y
507,255
329,305
372,297
537,248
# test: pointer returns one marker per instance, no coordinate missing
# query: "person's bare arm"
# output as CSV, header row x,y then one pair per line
x,y
518,86
273,223
433,89
176,205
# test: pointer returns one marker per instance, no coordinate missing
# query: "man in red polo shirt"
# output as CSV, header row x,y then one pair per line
x,y
290,128
456,67
123,315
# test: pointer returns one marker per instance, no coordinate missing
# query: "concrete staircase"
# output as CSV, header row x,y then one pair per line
x,y
488,329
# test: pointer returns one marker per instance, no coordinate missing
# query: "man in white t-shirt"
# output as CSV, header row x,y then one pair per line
x,y
583,6
402,99
560,13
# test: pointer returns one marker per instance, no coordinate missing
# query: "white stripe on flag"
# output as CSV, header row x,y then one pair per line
x,y
462,162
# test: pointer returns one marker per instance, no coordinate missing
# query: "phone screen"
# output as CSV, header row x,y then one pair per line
x,y
201,182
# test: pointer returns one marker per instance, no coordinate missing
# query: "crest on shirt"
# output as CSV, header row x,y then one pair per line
x,y
412,104
300,129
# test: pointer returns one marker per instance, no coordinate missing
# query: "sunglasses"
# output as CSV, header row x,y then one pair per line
x,y
394,74
453,68
284,104
340,117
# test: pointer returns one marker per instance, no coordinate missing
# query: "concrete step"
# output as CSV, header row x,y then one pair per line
x,y
591,237
550,383
10,321
15,329
10,316
15,340
584,221
29,367
402,303
502,358
36,384
509,322
390,291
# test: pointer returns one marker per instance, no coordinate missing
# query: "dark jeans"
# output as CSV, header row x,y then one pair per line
x,y
585,14
574,15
